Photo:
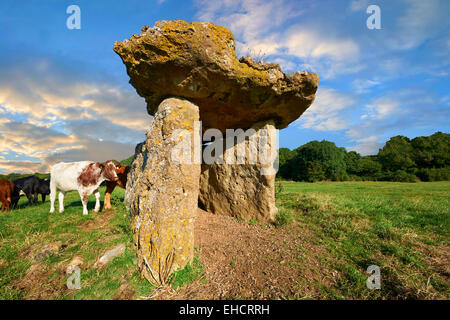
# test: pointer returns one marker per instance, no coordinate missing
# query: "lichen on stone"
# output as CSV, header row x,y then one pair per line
x,y
198,61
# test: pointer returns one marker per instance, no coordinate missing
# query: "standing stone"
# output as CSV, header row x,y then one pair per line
x,y
246,190
163,192
197,61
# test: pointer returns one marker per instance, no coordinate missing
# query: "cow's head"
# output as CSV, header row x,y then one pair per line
x,y
44,186
121,169
109,170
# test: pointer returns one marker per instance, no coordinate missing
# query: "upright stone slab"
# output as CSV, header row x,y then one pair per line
x,y
246,190
163,192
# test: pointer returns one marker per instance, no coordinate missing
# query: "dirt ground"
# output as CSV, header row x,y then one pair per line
x,y
246,261
240,261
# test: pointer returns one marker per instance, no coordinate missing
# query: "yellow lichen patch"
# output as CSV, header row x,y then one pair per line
x,y
198,61
163,236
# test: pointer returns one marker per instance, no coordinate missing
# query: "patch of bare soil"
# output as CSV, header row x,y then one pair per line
x,y
37,283
438,257
47,282
125,292
101,221
247,261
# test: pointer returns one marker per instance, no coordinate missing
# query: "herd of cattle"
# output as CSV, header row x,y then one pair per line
x,y
84,177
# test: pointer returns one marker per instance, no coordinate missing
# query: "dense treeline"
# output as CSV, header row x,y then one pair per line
x,y
401,159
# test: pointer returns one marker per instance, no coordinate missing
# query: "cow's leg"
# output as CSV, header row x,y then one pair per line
x,y
61,201
8,200
15,200
52,196
43,197
84,201
35,199
110,185
97,201
30,198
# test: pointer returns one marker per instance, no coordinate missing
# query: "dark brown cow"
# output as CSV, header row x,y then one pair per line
x,y
122,172
6,190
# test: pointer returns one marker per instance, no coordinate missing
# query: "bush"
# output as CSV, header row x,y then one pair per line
x,y
403,176
433,174
316,161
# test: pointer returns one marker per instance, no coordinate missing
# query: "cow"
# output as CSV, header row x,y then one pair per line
x,y
6,191
122,173
30,186
83,176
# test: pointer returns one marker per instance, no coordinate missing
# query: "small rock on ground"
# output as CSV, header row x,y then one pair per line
x,y
76,261
48,250
109,255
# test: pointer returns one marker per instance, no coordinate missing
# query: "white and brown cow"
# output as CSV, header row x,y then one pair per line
x,y
83,176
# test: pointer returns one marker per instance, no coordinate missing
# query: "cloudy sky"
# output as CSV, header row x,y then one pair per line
x,y
65,96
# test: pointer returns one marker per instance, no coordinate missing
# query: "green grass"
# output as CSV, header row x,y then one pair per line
x,y
403,228
188,274
24,231
396,226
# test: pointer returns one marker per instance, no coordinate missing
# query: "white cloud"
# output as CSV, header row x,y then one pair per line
x,y
368,139
381,108
367,148
286,65
364,85
249,19
327,111
310,44
419,22
262,26
358,5
40,90
50,146
64,117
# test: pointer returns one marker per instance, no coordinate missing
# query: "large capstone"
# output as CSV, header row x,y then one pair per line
x,y
162,190
242,185
198,61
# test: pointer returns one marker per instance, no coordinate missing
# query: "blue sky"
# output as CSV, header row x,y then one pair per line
x,y
65,96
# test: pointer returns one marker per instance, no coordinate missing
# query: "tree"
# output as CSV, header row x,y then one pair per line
x,y
284,155
397,154
352,160
432,151
318,161
401,159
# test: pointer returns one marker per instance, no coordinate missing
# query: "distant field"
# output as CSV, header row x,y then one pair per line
x,y
332,231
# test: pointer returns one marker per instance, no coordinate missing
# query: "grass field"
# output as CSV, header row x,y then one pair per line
x,y
401,227
23,232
